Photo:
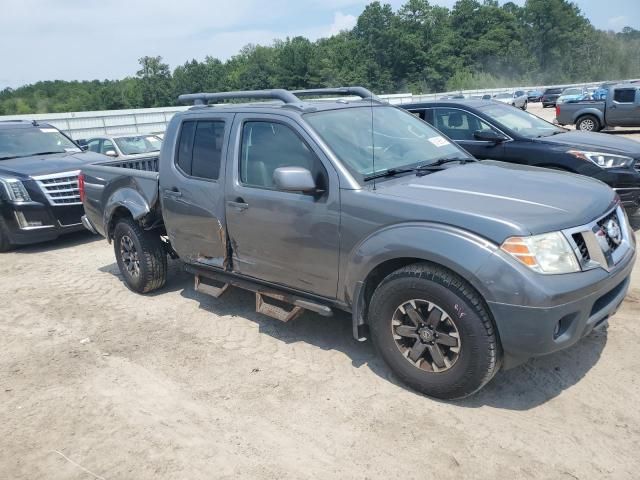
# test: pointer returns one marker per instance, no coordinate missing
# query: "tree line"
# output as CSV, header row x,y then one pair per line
x,y
419,48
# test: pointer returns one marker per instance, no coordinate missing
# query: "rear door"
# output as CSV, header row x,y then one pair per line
x,y
288,238
459,125
192,189
623,109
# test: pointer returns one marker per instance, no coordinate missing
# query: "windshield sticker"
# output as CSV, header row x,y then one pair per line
x,y
439,141
48,130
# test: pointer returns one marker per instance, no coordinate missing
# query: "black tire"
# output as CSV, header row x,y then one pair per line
x,y
5,244
141,256
478,358
524,105
588,123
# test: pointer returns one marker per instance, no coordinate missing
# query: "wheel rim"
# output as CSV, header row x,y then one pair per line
x,y
587,125
129,256
426,335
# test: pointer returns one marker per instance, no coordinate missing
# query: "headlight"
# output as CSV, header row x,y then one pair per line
x,y
603,160
548,253
15,190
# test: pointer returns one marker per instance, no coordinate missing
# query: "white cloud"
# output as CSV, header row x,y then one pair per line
x,y
342,22
618,23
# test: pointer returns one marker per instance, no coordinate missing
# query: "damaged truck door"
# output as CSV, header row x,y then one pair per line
x,y
192,189
285,237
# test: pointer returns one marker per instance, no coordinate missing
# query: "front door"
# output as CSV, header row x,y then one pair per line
x,y
287,238
460,125
191,189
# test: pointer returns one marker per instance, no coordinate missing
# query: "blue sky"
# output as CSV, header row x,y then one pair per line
x,y
89,39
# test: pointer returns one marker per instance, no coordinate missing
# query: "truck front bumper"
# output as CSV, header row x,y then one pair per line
x,y
34,222
555,311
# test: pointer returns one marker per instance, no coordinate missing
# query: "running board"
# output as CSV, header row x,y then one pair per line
x,y
275,306
275,303
210,286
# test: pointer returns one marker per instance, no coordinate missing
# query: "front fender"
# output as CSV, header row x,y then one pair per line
x,y
458,250
129,199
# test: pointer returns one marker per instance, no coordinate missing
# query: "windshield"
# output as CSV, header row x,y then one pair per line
x,y
24,142
138,144
519,121
398,138
572,91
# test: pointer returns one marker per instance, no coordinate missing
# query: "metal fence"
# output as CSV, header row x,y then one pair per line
x,y
148,120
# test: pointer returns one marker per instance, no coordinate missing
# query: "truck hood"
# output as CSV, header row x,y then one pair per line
x,y
45,164
595,142
497,199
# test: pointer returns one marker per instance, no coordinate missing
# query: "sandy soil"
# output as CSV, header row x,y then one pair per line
x,y
178,385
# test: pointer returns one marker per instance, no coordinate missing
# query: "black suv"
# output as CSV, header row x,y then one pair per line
x,y
39,197
550,96
492,130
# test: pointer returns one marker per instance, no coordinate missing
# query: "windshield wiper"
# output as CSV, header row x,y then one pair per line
x,y
420,170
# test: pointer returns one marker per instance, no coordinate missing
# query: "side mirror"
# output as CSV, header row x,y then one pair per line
x,y
294,179
489,136
84,148
111,153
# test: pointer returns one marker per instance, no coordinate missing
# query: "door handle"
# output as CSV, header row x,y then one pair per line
x,y
238,205
174,192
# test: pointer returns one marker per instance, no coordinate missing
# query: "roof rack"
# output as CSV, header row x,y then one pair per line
x,y
285,96
204,98
357,91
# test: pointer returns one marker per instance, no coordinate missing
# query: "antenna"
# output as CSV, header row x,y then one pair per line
x,y
373,144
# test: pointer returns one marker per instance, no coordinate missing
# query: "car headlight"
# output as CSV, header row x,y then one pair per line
x,y
603,160
549,253
15,190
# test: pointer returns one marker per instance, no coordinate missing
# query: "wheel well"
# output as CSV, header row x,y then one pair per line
x,y
381,271
118,213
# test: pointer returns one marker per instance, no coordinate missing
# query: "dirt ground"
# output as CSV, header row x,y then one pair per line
x,y
98,382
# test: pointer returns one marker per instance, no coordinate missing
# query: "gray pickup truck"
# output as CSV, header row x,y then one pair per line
x,y
621,108
454,267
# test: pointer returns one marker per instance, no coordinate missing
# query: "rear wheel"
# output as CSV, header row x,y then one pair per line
x,y
140,255
588,123
524,105
5,244
434,331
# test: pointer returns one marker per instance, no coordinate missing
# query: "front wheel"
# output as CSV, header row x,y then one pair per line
x,y
434,331
140,255
524,106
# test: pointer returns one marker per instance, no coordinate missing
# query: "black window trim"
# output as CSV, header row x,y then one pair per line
x,y
243,122
177,148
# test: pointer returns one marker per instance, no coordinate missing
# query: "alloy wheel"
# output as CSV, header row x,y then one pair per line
x,y
426,335
129,255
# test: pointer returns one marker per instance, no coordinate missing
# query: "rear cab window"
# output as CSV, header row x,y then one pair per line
x,y
624,95
200,148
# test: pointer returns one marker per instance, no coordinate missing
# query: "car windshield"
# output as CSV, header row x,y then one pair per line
x,y
24,142
138,144
397,140
553,91
572,91
519,121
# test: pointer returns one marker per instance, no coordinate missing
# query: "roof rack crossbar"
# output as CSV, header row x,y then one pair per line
x,y
357,91
204,98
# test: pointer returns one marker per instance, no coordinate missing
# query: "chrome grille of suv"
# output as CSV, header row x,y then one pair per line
x,y
60,188
637,165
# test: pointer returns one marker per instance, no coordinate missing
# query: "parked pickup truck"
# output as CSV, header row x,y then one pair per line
x,y
621,108
454,267
39,196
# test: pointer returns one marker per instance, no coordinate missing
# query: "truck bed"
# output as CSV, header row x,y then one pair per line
x,y
111,184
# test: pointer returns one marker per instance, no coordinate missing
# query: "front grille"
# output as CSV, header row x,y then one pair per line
x,y
60,188
637,165
582,246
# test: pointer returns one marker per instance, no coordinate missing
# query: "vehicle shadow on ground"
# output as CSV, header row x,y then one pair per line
x,y
66,241
521,388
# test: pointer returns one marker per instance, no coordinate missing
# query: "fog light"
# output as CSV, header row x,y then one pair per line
x,y
556,331
23,223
